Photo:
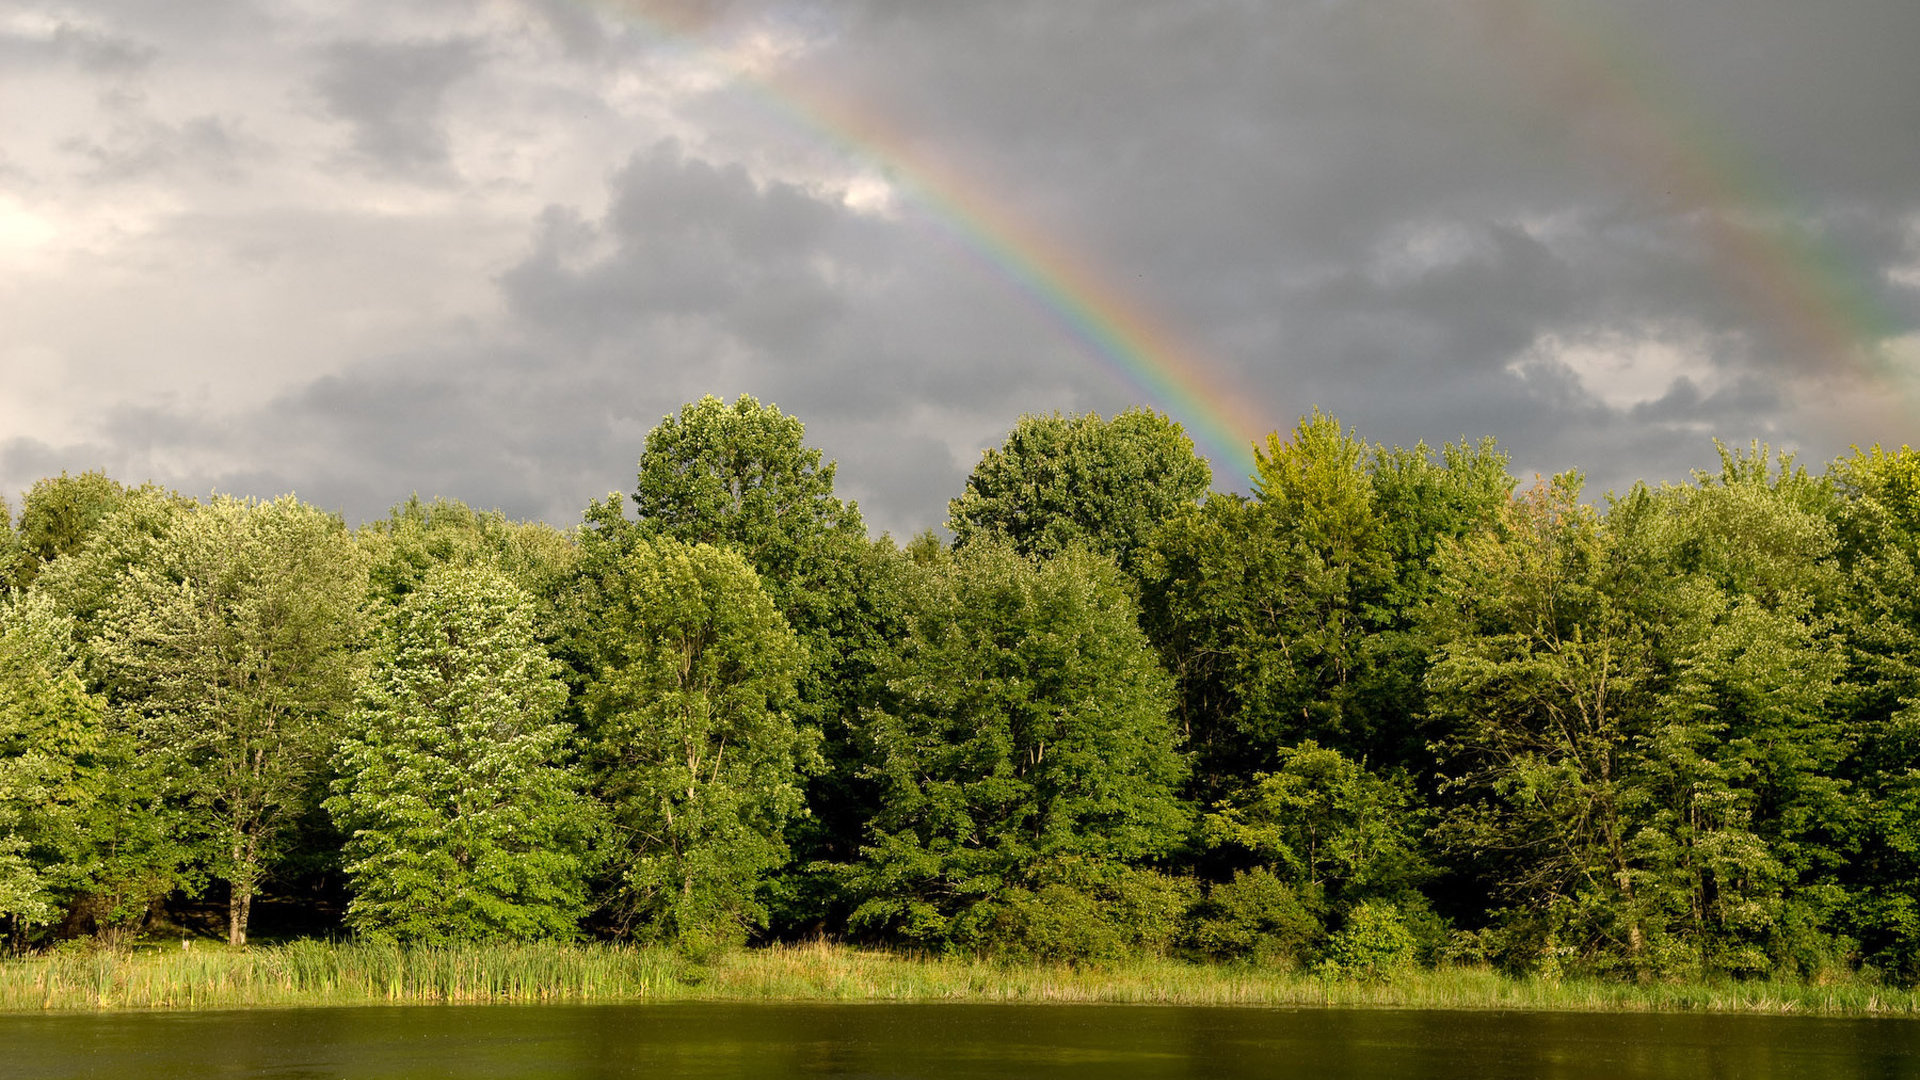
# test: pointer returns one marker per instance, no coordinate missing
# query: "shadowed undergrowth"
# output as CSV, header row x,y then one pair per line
x,y
304,973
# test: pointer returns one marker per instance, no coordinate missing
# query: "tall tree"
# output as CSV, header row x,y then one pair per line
x,y
51,731
84,581
1735,578
1060,481
86,838
1637,728
1539,691
1879,549
462,812
1024,727
741,475
232,648
1296,615
688,702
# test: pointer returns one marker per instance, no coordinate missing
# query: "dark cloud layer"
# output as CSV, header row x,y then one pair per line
x,y
1597,231
390,94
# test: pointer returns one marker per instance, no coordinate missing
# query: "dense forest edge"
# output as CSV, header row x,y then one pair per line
x,y
1395,728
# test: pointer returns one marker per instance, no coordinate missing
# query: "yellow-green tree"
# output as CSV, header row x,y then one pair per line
x,y
455,785
230,645
52,738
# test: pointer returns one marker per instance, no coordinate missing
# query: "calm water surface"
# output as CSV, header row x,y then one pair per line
x,y
942,1041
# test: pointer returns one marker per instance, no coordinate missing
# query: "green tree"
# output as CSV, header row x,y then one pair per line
x,y
1749,740
1332,571
1060,481
1537,689
57,517
1023,740
742,476
688,702
463,816
417,537
232,649
9,547
1878,534
1325,824
1296,615
84,835
85,581
1425,501
1307,841
1637,737
50,731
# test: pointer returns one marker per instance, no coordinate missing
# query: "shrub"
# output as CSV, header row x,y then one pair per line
x,y
1257,916
1076,912
1375,943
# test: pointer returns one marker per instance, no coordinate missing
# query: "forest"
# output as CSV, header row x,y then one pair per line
x,y
1394,708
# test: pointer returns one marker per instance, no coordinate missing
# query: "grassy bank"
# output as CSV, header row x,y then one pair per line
x,y
322,973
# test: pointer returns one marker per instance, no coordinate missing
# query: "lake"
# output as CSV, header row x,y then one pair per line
x,y
1117,1042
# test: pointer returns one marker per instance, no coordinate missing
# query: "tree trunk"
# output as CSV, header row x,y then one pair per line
x,y
240,897
238,909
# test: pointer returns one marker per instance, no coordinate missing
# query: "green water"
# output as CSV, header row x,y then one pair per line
x,y
941,1041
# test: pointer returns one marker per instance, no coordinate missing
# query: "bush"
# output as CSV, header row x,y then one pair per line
x,y
1258,917
1432,933
1375,943
1076,913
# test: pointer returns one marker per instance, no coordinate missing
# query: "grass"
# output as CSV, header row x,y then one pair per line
x,y
312,972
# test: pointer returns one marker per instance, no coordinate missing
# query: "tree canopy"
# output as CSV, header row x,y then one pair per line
x,y
1389,707
688,702
456,792
1061,481
1025,726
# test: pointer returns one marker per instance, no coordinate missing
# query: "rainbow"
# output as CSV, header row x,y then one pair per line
x,y
1822,314
1115,329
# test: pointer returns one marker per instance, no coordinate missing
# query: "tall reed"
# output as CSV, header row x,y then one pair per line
x,y
356,973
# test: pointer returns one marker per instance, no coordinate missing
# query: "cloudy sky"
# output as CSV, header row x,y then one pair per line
x,y
358,249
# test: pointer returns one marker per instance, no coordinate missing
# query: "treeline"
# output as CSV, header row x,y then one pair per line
x,y
1393,708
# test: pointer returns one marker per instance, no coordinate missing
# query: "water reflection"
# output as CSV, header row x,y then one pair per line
x,y
948,1041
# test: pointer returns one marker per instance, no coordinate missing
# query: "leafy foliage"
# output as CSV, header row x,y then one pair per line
x,y
1258,916
1381,712
83,828
1375,943
1296,615
1024,723
51,731
742,476
1325,824
1065,481
688,700
232,647
462,812
1639,727
58,516
417,537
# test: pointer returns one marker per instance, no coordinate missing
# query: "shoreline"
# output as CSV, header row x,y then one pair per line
x,y
315,973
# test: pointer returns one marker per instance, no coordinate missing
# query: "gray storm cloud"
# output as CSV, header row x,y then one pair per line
x,y
479,251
